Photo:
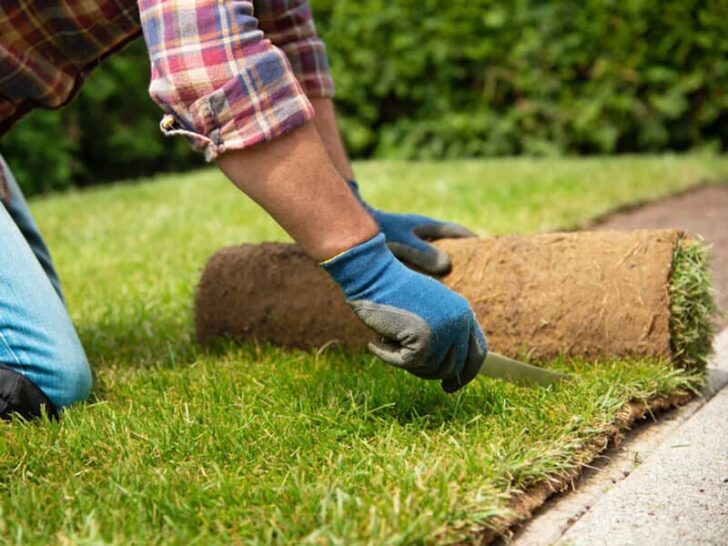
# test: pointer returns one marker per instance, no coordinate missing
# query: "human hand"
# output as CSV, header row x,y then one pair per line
x,y
407,236
425,328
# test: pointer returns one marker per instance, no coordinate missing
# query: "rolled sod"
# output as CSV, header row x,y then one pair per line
x,y
586,294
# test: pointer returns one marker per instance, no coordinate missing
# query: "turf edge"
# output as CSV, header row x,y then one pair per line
x,y
523,505
692,307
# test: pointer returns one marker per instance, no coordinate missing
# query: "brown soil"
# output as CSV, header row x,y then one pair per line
x,y
583,294
701,211
273,292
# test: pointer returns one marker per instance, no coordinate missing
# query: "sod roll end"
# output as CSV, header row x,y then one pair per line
x,y
587,294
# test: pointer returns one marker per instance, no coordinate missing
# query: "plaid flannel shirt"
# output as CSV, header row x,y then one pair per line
x,y
228,74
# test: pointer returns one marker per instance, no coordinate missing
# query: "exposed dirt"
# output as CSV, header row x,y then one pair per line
x,y
586,294
701,211
273,292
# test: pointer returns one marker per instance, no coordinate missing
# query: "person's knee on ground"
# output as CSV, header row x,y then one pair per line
x,y
65,384
42,359
69,381
20,396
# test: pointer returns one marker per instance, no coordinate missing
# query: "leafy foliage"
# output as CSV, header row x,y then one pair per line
x,y
485,77
429,79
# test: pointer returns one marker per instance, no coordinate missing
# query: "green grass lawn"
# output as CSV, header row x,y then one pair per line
x,y
256,445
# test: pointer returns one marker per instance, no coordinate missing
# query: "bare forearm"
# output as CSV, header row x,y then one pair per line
x,y
328,129
294,179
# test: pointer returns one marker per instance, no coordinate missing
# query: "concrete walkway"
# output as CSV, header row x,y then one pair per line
x,y
667,484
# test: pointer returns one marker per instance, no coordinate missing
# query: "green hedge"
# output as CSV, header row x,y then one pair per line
x,y
432,79
426,78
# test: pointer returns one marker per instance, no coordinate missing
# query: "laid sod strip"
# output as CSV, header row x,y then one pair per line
x,y
692,308
257,445
264,446
591,295
635,294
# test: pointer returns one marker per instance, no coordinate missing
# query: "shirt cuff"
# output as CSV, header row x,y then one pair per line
x,y
261,102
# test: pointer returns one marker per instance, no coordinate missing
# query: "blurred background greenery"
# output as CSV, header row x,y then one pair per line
x,y
429,79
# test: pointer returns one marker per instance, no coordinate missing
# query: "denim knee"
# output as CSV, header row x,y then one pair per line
x,y
37,337
70,379
54,361
76,384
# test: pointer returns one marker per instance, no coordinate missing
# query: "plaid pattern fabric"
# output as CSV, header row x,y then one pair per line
x,y
220,81
4,189
289,25
219,78
47,49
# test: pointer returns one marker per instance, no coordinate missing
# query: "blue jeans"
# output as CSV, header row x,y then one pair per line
x,y
38,342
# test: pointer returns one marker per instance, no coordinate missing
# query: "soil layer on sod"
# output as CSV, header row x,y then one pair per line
x,y
588,294
702,211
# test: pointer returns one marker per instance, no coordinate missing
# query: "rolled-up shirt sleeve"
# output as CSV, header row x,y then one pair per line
x,y
289,24
218,78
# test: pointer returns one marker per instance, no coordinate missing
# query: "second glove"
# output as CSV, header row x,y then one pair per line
x,y
407,236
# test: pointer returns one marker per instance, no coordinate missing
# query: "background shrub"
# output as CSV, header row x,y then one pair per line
x,y
430,79
433,79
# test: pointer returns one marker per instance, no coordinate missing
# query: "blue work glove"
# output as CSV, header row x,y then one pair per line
x,y
425,328
407,235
